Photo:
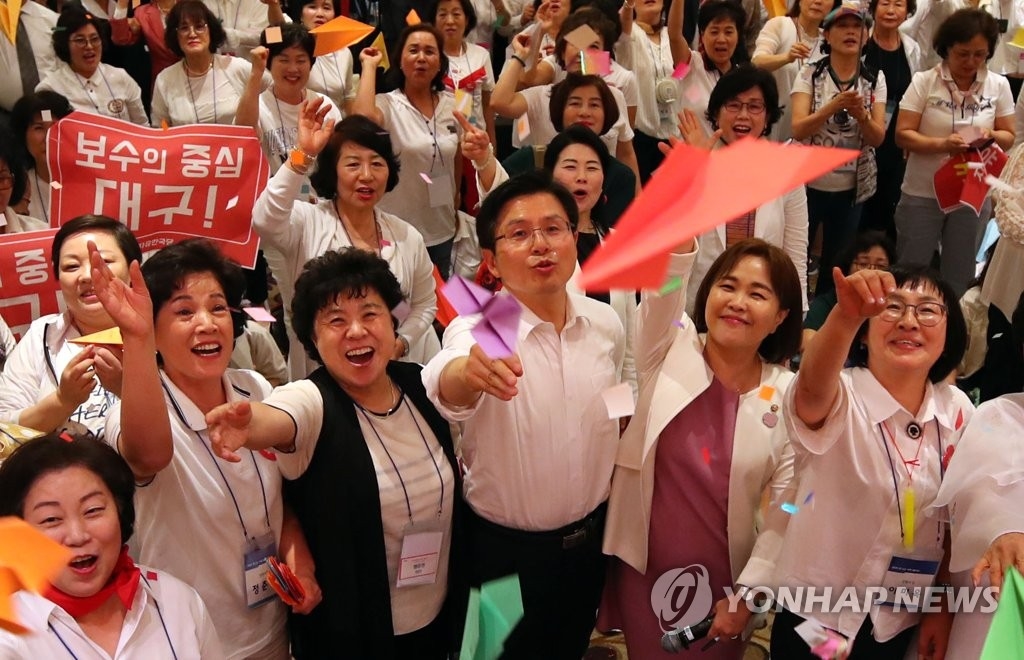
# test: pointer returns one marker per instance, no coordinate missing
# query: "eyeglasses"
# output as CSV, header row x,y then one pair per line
x,y
6,180
184,30
867,265
755,107
520,236
82,42
928,313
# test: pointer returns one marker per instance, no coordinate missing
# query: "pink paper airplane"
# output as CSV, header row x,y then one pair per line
x,y
498,327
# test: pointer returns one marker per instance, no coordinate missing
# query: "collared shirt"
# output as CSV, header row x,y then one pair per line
x,y
39,23
945,111
651,63
851,529
167,619
109,91
187,522
181,99
545,458
332,76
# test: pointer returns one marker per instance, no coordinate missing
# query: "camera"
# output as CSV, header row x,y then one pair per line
x,y
842,118
666,91
677,640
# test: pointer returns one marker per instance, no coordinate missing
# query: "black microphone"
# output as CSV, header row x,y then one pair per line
x,y
680,639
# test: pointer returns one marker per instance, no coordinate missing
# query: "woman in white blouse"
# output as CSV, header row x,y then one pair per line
x,y
204,88
87,83
31,117
788,42
418,115
356,166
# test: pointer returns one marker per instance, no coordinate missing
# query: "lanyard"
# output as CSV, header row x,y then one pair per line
x,y
431,125
191,95
379,251
163,624
109,91
657,59
234,500
39,193
426,445
280,120
904,532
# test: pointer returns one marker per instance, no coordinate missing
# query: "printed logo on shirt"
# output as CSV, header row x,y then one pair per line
x,y
682,597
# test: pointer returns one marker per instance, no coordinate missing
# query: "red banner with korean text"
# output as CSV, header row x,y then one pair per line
x,y
28,287
166,185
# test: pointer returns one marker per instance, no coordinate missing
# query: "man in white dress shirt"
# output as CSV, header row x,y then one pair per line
x,y
538,447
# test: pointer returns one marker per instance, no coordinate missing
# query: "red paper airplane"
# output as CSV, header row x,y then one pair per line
x,y
960,180
692,192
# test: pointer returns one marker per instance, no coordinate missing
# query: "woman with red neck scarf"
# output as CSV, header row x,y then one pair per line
x,y
77,491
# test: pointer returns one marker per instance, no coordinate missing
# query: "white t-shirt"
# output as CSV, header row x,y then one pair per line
x,y
851,530
110,92
279,130
332,76
695,88
167,619
39,203
848,136
777,36
401,441
243,21
472,72
542,130
211,99
424,146
33,371
650,63
945,110
187,522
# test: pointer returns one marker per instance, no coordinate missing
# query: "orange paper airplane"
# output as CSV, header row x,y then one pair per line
x,y
10,14
108,337
28,560
692,192
339,33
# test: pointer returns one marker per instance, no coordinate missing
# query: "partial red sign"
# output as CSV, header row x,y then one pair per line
x,y
960,180
28,287
166,185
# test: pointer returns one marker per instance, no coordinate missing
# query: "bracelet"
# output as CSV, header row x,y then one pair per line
x,y
490,157
520,60
300,161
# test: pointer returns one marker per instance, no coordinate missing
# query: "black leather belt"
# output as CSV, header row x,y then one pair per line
x,y
570,536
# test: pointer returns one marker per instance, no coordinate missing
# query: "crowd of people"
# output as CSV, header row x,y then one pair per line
x,y
804,405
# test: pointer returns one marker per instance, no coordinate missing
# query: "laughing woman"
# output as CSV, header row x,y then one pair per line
x,y
178,314
882,429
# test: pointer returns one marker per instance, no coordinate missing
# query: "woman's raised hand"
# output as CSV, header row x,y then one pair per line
x,y
130,307
521,46
259,56
370,57
228,426
692,130
476,145
863,294
314,129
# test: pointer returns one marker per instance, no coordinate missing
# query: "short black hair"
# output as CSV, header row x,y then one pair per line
x,y
863,242
594,18
346,272
533,182
962,26
294,9
166,271
292,34
364,132
74,17
54,452
956,327
579,134
396,78
784,342
560,93
9,155
123,236
193,12
715,10
467,9
911,7
739,79
24,112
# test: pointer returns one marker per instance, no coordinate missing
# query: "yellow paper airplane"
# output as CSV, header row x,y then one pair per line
x,y
378,43
28,560
109,337
9,16
1018,39
339,33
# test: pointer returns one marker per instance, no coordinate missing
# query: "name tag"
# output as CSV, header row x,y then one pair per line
x,y
440,191
907,578
255,569
421,556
